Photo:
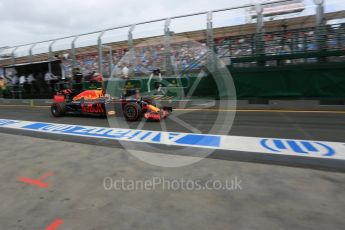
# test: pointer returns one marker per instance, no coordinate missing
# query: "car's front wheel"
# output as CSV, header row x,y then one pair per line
x,y
132,112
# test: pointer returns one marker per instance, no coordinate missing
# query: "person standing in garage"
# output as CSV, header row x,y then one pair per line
x,y
78,80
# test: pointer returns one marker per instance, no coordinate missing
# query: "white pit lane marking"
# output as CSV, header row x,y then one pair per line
x,y
260,145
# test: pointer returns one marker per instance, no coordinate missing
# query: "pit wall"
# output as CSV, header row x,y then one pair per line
x,y
320,82
324,82
317,81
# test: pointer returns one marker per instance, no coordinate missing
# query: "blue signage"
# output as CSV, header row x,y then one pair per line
x,y
297,146
212,141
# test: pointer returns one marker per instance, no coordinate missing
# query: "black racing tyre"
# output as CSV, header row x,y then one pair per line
x,y
132,112
58,109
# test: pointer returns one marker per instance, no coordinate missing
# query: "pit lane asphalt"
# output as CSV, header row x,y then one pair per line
x,y
325,126
322,126
270,197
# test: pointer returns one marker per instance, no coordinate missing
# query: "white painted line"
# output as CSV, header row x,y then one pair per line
x,y
291,147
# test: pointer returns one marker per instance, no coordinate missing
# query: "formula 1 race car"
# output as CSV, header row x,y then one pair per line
x,y
94,102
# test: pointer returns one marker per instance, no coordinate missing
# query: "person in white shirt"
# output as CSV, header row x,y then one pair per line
x,y
125,72
49,78
22,80
31,79
14,79
157,77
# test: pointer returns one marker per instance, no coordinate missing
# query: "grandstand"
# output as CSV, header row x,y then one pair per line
x,y
296,35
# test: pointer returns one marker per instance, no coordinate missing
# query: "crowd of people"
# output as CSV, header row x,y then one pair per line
x,y
283,42
34,85
28,85
190,54
143,59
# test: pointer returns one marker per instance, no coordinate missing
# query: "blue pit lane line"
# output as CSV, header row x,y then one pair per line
x,y
290,147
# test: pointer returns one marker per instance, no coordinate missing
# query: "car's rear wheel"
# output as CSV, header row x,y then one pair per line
x,y
58,109
132,112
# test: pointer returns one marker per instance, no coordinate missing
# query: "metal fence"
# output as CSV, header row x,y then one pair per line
x,y
104,60
295,46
